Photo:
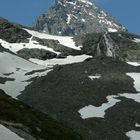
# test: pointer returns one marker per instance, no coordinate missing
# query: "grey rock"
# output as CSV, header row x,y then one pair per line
x,y
117,45
36,53
12,33
3,80
56,46
72,17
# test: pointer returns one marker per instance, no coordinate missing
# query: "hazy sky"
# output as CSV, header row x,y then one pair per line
x,y
127,12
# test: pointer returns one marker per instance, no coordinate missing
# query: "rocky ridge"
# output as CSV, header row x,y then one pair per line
x,y
73,17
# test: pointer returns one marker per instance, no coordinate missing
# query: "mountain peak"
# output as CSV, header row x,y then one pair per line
x,y
74,2
72,17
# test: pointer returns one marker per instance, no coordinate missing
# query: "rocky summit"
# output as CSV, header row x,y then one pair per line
x,y
72,17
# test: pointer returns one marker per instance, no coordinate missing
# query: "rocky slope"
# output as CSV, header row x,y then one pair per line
x,y
12,33
72,17
30,124
100,83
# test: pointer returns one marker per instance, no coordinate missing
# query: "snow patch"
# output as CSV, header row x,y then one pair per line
x,y
83,20
93,111
135,97
137,40
73,3
86,1
69,18
134,63
6,134
136,77
63,40
94,77
56,61
18,67
133,135
15,47
112,30
137,125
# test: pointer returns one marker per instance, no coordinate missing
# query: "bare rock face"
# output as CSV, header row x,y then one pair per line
x,y
72,17
13,33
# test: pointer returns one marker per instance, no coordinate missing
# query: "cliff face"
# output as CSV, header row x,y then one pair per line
x,y
72,17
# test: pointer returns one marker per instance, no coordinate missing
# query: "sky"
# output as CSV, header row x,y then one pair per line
x,y
25,12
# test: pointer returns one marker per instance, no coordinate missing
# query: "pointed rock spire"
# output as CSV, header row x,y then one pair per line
x,y
72,17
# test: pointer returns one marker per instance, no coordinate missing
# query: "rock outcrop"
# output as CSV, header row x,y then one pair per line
x,y
72,17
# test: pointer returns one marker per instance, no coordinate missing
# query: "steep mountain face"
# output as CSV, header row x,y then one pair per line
x,y
72,17
121,45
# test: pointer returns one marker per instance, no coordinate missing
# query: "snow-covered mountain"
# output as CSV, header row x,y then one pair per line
x,y
72,17
44,48
82,71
